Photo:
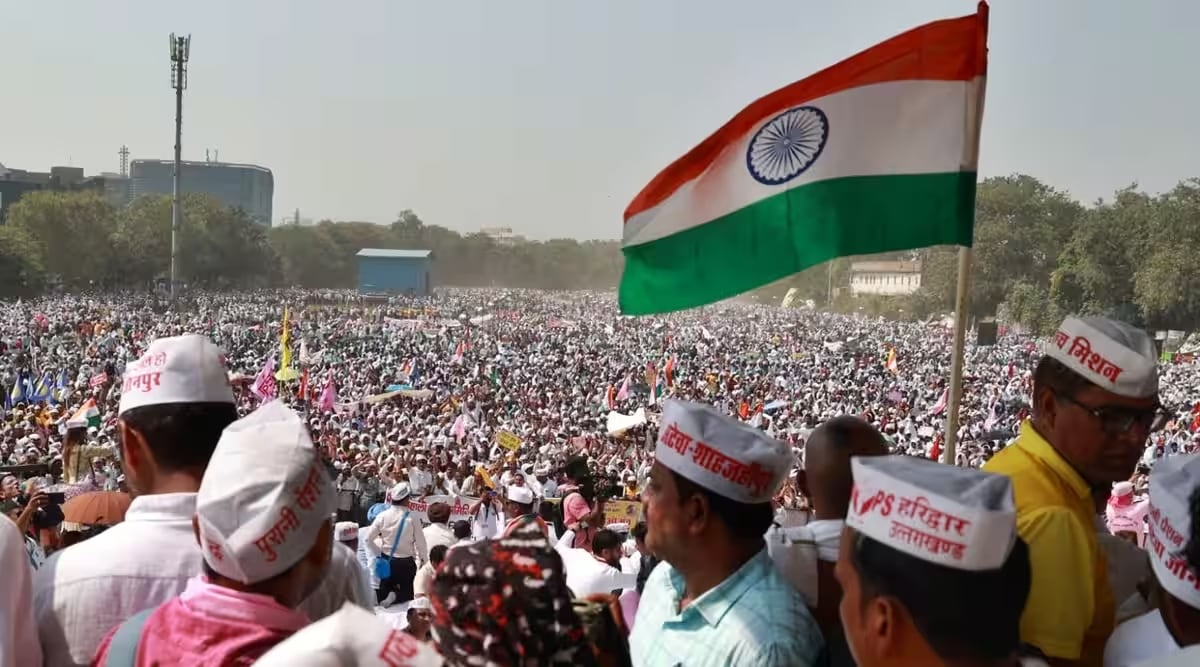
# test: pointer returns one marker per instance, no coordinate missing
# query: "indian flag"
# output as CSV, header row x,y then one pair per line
x,y
876,153
86,416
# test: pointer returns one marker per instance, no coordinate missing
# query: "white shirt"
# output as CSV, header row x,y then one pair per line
x,y
423,582
364,558
438,533
587,575
420,481
383,532
18,635
1139,639
1188,657
83,592
486,524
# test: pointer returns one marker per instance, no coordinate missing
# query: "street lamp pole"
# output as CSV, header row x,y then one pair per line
x,y
180,50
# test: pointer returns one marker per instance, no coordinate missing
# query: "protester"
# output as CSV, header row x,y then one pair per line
x,y
346,533
519,510
264,529
582,515
520,614
1089,428
1175,622
176,402
932,569
351,638
396,542
423,582
18,635
437,532
420,618
597,571
806,554
717,599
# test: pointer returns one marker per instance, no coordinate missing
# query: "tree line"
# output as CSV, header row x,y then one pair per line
x,y
1038,254
78,240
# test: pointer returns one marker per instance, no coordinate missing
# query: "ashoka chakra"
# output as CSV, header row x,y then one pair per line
x,y
787,145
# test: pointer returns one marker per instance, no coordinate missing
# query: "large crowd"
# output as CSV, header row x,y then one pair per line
x,y
514,477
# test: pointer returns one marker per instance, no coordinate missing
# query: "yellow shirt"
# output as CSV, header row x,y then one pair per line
x,y
1070,612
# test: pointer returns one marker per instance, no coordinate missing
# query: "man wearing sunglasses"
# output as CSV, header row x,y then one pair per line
x,y
1095,403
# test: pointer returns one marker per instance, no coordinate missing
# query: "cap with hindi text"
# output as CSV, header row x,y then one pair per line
x,y
178,369
721,454
1172,482
955,517
264,498
1108,353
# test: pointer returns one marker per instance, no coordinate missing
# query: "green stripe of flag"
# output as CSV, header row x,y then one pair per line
x,y
793,230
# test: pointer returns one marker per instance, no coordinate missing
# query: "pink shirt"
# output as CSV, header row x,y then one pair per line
x,y
211,625
575,507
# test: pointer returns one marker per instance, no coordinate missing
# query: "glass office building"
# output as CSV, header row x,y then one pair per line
x,y
244,186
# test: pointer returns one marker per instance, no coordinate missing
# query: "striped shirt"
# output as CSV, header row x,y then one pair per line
x,y
754,617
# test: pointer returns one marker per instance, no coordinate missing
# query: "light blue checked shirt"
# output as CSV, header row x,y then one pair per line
x,y
754,617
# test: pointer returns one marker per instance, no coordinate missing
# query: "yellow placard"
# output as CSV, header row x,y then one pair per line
x,y
622,511
508,440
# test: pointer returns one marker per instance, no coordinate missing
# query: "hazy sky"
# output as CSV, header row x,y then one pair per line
x,y
549,115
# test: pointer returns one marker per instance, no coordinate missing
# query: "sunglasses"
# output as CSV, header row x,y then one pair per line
x,y
1119,420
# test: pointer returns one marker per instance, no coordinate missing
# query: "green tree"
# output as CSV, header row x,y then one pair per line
x,y
74,232
21,264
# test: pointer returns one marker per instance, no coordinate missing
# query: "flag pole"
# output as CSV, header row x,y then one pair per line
x,y
956,354
974,123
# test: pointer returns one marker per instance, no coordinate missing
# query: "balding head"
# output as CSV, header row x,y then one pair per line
x,y
826,478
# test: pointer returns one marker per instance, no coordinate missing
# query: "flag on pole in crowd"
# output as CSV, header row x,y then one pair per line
x,y
286,372
459,352
459,430
623,393
495,376
264,383
62,388
43,389
669,371
328,395
285,340
935,452
891,365
610,398
17,394
88,415
876,153
940,406
303,381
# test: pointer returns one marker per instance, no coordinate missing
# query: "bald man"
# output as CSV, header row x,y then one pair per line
x,y
807,554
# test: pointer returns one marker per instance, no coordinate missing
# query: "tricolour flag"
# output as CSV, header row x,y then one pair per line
x,y
86,416
876,153
891,364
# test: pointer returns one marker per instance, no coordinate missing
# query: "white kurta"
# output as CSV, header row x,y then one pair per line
x,y
1137,640
18,635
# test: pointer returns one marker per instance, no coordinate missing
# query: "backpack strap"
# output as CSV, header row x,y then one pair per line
x,y
399,532
122,650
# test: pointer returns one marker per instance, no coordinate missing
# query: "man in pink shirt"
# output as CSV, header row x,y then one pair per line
x,y
578,515
263,523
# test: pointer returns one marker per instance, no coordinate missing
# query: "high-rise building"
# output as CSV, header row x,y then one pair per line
x,y
245,186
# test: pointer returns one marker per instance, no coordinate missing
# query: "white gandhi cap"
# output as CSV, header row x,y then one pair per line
x,y
264,497
1108,353
179,369
720,453
1173,480
520,494
960,518
352,636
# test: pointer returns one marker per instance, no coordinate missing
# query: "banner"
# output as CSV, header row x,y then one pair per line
x,y
98,379
459,506
622,511
508,440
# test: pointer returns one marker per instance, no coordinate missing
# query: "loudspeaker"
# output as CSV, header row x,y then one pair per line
x,y
985,332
